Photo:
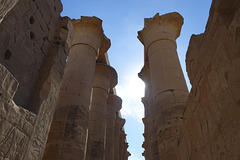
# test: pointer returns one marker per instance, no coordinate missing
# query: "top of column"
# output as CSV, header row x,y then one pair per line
x,y
105,76
114,102
144,73
89,31
165,27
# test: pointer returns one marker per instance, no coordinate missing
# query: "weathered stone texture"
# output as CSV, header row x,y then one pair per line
x,y
212,123
23,134
69,129
5,7
16,124
166,91
27,31
34,44
50,80
105,78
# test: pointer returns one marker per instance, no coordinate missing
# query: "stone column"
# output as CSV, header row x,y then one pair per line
x,y
104,79
146,144
119,122
114,105
122,138
125,152
68,133
151,115
128,154
169,90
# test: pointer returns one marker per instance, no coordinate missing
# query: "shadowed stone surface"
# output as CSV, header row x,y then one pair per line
x,y
69,129
212,112
23,134
163,76
27,32
34,44
105,78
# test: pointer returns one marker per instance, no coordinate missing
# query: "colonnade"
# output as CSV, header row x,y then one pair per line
x,y
87,124
166,91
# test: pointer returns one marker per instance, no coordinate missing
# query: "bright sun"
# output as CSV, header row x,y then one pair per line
x,y
131,90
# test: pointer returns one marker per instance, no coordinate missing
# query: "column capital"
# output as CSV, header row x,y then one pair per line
x,y
164,27
105,76
115,102
144,101
144,74
89,31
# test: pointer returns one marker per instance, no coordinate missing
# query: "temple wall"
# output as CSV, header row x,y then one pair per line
x,y
30,67
212,123
27,31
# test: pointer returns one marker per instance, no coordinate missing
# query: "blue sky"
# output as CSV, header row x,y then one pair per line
x,y
121,21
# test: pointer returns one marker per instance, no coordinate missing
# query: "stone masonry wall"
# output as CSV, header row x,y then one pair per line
x,y
212,121
16,124
23,134
26,33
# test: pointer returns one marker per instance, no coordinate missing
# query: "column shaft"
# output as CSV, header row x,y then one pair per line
x,y
122,138
105,78
114,104
67,136
119,122
96,135
69,128
151,116
169,90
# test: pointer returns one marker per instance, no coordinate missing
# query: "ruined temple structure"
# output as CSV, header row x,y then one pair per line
x,y
57,95
205,123
58,99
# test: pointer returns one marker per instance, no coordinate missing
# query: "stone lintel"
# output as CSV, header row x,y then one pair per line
x,y
164,27
89,31
105,76
115,102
